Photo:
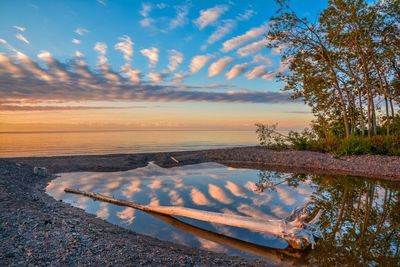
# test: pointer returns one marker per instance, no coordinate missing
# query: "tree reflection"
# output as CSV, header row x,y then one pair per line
x,y
268,180
360,219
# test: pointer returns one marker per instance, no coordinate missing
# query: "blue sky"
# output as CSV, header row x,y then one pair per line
x,y
201,51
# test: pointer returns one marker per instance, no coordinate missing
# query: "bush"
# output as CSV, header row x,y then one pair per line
x,y
306,140
330,143
352,146
376,145
269,136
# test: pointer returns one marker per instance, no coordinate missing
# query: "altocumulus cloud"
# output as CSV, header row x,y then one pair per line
x,y
24,80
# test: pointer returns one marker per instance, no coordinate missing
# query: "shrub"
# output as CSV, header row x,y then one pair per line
x,y
353,146
269,136
330,142
306,140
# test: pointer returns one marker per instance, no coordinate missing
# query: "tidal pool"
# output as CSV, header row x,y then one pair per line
x,y
359,222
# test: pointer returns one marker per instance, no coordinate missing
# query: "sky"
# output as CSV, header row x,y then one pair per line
x,y
130,64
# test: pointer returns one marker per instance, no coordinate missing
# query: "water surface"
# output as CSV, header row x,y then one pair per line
x,y
360,217
116,142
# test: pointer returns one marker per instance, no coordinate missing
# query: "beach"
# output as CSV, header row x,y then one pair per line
x,y
38,230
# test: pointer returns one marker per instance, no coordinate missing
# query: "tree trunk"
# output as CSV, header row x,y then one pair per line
x,y
387,116
297,237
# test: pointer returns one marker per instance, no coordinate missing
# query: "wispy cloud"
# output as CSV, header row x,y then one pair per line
x,y
21,38
252,48
19,28
147,21
210,16
103,2
256,72
175,59
81,31
75,41
246,15
180,18
262,59
151,54
219,66
221,32
244,38
125,46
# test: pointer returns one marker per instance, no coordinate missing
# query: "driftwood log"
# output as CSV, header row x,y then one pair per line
x,y
296,234
286,257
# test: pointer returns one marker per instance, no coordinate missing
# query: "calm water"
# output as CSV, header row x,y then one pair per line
x,y
360,217
84,143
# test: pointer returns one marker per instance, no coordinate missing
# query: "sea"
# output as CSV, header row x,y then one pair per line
x,y
37,144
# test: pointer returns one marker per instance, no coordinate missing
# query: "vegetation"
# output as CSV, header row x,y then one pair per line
x,y
346,68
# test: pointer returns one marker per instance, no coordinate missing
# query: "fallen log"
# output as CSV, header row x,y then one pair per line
x,y
287,257
296,237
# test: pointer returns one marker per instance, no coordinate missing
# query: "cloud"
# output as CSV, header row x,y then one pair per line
x,y
252,48
21,38
151,54
218,193
256,72
261,59
54,66
248,13
103,2
147,22
125,46
178,77
81,31
175,59
32,83
218,66
132,74
19,28
103,66
76,41
236,71
32,67
101,48
156,77
210,16
146,8
244,38
180,18
9,67
221,31
198,62
199,198
57,108
128,214
235,189
78,53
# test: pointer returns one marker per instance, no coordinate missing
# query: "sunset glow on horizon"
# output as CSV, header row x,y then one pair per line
x,y
132,65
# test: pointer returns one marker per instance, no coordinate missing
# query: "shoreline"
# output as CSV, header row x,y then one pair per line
x,y
35,229
371,166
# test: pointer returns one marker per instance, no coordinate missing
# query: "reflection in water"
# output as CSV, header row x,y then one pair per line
x,y
360,219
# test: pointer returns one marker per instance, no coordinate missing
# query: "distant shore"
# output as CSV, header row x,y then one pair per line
x,y
35,229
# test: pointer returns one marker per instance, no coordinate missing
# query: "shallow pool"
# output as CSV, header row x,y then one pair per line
x,y
359,222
